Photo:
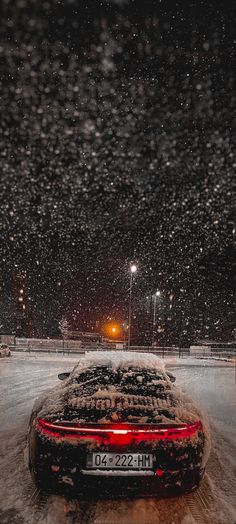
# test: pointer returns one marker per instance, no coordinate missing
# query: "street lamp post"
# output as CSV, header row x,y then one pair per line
x,y
125,327
157,294
133,269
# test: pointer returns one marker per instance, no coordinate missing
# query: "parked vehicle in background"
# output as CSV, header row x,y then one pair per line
x,y
4,350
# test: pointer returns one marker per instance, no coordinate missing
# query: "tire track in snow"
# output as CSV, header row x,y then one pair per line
x,y
34,497
200,503
222,469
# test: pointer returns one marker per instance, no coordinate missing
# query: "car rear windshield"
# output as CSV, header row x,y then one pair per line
x,y
104,394
130,381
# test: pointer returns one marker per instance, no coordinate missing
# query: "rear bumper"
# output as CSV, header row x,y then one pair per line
x,y
57,467
88,484
170,484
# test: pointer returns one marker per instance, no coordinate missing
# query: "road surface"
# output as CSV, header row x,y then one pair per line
x,y
24,377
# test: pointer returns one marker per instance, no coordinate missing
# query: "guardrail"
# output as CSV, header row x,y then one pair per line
x,y
217,355
160,351
30,349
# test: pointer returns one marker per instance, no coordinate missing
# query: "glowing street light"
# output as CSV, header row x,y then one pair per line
x,y
112,329
133,269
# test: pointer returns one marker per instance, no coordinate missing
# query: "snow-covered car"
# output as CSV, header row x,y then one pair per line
x,y
118,420
4,350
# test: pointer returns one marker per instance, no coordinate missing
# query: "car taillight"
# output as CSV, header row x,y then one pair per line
x,y
121,434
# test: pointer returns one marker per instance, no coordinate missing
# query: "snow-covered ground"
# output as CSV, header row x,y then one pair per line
x,y
24,377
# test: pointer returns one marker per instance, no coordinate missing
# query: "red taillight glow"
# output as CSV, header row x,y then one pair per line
x,y
159,472
121,434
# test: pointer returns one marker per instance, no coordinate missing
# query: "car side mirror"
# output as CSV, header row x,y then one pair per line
x,y
171,377
63,376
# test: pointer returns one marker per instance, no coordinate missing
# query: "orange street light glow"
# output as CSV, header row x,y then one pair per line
x,y
112,329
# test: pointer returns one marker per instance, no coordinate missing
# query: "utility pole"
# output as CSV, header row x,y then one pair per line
x,y
133,269
157,294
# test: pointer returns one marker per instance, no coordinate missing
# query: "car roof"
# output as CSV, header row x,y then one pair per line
x,y
122,360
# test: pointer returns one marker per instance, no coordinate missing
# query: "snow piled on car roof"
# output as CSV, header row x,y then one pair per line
x,y
119,360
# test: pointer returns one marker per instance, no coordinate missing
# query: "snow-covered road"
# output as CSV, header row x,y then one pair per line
x,y
24,377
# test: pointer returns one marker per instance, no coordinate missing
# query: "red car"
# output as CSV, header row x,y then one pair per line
x,y
117,420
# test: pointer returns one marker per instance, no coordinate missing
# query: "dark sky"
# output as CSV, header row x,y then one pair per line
x,y
118,143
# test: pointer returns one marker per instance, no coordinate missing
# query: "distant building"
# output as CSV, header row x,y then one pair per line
x,y
211,346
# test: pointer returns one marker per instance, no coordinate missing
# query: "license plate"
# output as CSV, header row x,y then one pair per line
x,y
119,461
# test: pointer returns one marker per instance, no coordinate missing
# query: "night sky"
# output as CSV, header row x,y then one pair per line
x,y
117,143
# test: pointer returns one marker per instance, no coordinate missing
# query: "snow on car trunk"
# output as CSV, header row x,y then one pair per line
x,y
130,387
